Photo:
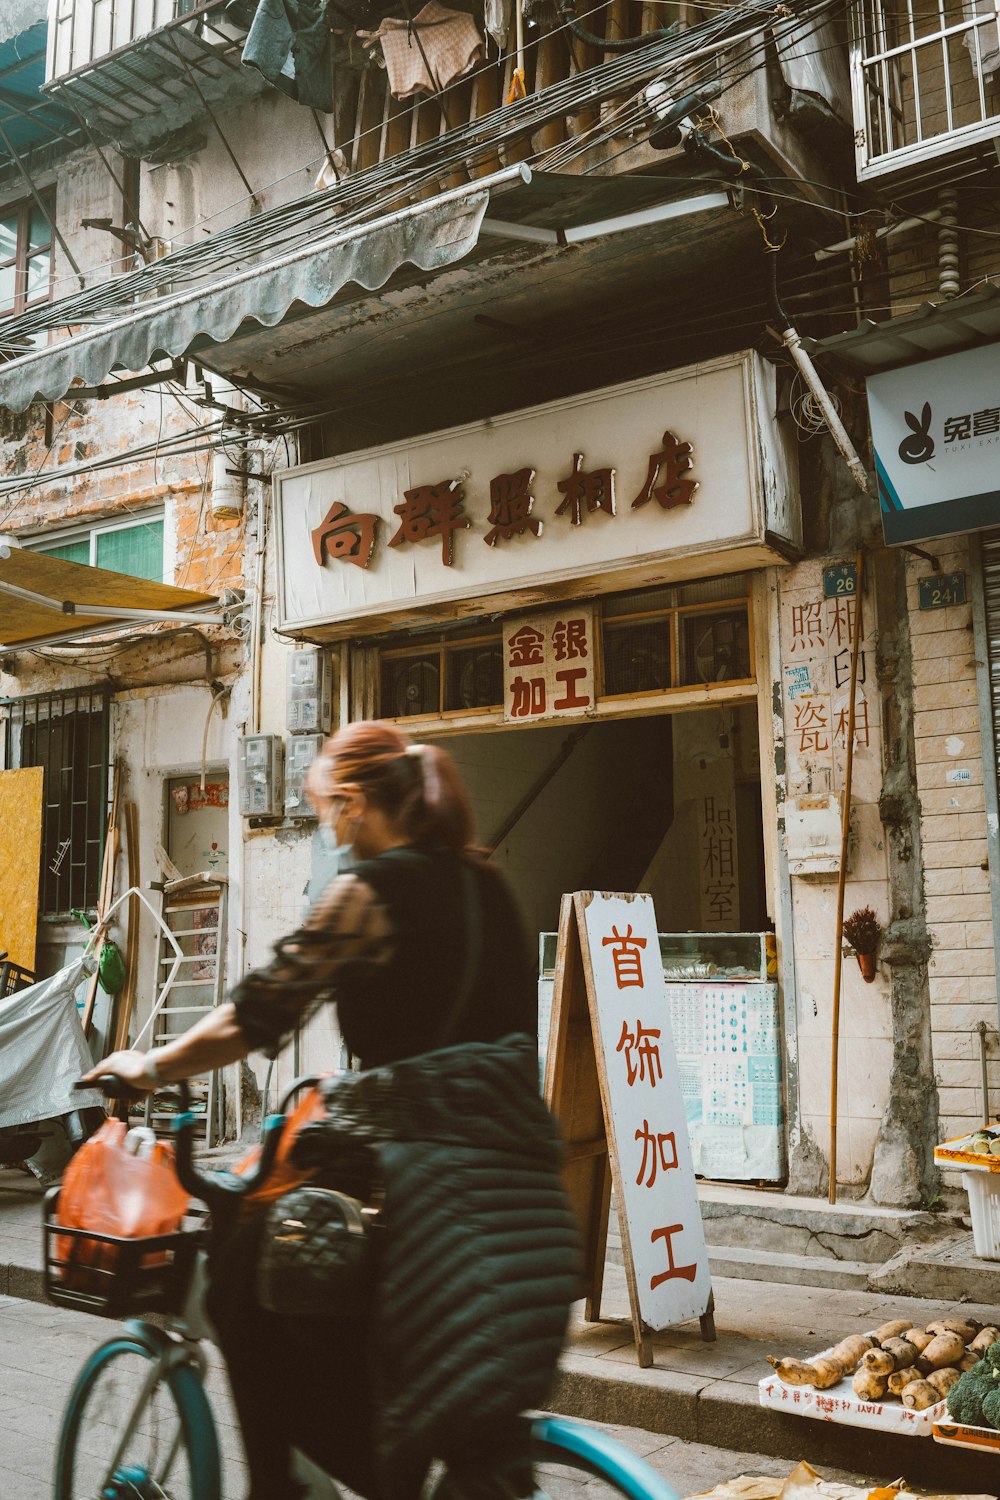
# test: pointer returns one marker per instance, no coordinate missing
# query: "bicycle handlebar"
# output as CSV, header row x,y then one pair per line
x,y
216,1188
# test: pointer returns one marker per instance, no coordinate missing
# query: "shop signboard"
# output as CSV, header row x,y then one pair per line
x,y
936,435
632,485
662,1233
549,665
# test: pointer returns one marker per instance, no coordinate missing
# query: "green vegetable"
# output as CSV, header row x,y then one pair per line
x,y
974,1399
991,1407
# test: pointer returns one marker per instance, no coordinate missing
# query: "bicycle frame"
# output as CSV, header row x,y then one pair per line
x,y
554,1439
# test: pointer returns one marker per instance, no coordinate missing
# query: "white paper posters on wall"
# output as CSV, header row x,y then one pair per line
x,y
644,1109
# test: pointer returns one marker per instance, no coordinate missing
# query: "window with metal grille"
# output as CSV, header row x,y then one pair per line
x,y
926,80
67,735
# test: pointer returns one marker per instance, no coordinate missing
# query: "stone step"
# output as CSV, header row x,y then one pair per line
x,y
756,1219
950,1270
744,1264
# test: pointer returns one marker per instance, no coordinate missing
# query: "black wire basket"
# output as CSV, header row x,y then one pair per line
x,y
13,977
111,1276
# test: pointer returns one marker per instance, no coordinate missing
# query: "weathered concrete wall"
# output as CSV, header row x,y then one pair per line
x,y
815,659
193,190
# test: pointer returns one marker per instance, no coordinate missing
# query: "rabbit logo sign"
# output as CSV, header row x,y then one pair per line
x,y
918,445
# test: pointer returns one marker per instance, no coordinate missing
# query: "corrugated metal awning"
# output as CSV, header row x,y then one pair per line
x,y
933,330
46,599
291,271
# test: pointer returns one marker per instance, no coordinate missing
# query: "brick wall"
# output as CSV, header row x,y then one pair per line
x,y
953,831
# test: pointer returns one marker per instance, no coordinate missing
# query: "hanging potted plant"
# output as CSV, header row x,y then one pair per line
x,y
863,931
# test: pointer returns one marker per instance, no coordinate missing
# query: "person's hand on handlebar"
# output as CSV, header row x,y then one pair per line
x,y
130,1067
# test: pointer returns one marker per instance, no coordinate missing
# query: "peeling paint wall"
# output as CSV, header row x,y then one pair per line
x,y
815,635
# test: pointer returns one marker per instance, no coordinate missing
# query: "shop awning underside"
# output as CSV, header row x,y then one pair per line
x,y
47,599
933,330
217,301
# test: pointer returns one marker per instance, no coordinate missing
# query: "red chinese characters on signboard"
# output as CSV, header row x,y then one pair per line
x,y
644,1041
583,492
343,536
654,1152
817,682
511,503
438,510
539,681
432,510
672,462
626,955
640,1087
639,1047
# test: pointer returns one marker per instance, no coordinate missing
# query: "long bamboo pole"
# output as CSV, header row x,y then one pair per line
x,y
105,893
845,831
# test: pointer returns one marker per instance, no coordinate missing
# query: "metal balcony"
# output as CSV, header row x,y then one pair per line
x,y
925,84
137,70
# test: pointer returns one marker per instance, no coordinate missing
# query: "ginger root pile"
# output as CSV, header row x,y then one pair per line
x,y
918,1366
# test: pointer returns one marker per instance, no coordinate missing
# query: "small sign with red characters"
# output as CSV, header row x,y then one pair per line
x,y
549,665
658,1210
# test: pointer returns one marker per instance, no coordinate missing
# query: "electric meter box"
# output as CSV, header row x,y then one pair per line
x,y
300,752
813,834
259,774
309,692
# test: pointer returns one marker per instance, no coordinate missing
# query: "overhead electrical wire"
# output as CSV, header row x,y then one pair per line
x,y
374,190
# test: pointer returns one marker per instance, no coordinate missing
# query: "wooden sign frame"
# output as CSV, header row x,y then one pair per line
x,y
577,1091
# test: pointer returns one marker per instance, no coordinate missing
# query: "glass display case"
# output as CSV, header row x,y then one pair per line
x,y
721,1012
726,956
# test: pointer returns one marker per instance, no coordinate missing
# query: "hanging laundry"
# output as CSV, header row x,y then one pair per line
x,y
497,20
431,52
289,42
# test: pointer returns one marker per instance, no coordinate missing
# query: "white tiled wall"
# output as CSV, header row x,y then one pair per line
x,y
953,832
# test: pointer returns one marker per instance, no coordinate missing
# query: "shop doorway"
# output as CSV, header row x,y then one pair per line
x,y
669,803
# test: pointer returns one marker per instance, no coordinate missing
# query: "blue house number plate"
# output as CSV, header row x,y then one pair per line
x,y
941,590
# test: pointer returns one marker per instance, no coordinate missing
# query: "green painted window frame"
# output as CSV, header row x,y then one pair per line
x,y
69,546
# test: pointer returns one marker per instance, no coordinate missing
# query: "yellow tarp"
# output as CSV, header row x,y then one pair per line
x,y
55,578
20,862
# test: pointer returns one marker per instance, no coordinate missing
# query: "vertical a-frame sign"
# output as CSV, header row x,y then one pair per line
x,y
611,1080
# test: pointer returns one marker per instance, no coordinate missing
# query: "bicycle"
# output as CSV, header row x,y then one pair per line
x,y
139,1425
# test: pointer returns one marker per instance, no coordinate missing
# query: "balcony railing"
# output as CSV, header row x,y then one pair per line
x,y
926,81
126,63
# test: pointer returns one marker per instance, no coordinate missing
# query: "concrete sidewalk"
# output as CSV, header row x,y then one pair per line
x,y
697,1392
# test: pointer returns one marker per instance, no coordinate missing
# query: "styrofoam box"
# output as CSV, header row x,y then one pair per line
x,y
983,1189
842,1404
955,1435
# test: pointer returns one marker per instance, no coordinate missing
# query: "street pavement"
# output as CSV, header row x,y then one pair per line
x,y
41,1349
696,1413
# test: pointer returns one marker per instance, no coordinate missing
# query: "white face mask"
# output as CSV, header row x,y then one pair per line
x,y
338,857
329,859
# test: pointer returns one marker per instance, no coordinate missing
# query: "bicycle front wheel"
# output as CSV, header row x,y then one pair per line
x,y
577,1462
137,1428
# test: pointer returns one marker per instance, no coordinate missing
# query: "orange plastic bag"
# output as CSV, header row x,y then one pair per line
x,y
110,1188
283,1175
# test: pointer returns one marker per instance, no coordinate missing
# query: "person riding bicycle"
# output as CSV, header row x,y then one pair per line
x,y
419,945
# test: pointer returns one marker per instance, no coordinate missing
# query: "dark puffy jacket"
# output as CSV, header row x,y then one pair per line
x,y
479,1261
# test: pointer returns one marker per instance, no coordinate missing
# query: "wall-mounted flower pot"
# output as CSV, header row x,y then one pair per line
x,y
867,963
